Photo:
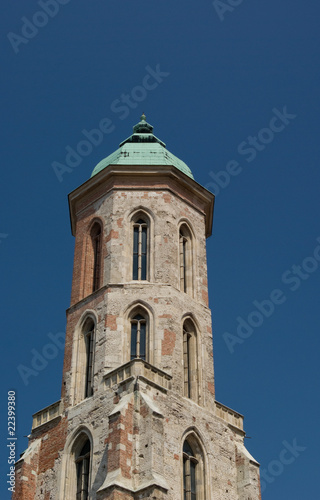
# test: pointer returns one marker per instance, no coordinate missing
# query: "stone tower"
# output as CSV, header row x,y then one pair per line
x,y
138,416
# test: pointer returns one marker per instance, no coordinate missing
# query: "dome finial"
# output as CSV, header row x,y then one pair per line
x,y
143,127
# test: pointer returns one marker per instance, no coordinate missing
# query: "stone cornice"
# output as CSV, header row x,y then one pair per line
x,y
134,177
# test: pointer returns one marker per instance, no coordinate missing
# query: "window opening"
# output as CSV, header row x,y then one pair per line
x,y
138,337
82,472
140,244
189,473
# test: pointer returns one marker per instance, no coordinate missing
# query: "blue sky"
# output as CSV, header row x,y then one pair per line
x,y
236,97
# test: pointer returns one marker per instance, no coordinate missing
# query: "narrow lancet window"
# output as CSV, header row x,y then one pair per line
x,y
138,337
84,371
183,263
82,472
96,247
186,363
185,259
89,345
190,465
140,250
190,361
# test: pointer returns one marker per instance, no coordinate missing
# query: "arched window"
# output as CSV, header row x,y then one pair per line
x,y
185,259
140,248
82,461
88,334
76,475
96,255
84,368
193,470
138,342
190,361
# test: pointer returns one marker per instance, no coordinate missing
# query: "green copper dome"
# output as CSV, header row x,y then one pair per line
x,y
142,148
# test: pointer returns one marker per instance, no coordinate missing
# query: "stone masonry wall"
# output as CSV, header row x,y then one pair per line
x,y
137,425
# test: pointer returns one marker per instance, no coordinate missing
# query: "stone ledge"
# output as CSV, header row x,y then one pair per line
x,y
46,415
228,415
237,430
135,369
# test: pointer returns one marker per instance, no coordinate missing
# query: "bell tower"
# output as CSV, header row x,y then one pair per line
x,y
138,417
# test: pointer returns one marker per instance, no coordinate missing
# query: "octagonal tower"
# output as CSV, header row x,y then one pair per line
x,y
138,416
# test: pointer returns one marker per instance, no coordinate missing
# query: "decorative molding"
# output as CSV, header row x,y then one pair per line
x,y
47,414
228,415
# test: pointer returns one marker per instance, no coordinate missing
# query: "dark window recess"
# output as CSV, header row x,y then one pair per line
x,y
96,245
140,250
138,337
82,471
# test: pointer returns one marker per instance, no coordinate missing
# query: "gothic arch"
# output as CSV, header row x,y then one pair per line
x,y
134,212
93,257
191,361
186,257
192,430
188,223
89,313
194,480
79,442
141,234
84,356
191,316
135,309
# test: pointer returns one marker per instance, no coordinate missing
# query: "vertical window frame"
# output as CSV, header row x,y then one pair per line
x,y
194,486
141,241
96,245
82,462
132,310
84,358
89,367
186,259
191,382
140,318
94,264
88,338
73,455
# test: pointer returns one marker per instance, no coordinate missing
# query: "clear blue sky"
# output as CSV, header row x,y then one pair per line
x,y
237,98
